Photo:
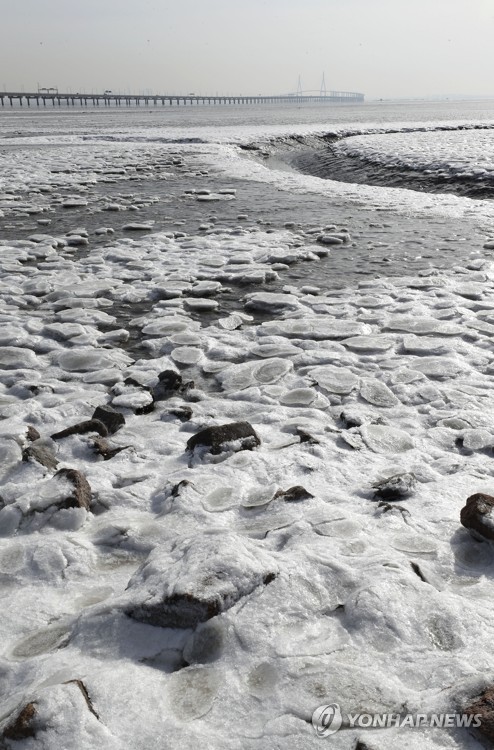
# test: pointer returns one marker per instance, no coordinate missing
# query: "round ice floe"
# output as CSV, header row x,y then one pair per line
x,y
238,377
384,439
415,544
470,555
423,326
74,203
136,227
262,680
187,338
63,331
373,302
240,259
46,239
368,343
426,345
220,499
109,376
271,302
133,400
186,355
166,326
76,240
86,360
298,397
16,357
473,290
439,367
202,304
330,239
309,637
338,380
41,642
205,288
259,496
477,439
10,454
318,328
339,528
281,349
191,692
376,392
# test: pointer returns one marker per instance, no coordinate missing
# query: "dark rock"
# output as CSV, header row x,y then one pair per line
x,y
81,496
418,572
306,437
483,707
170,383
147,409
351,420
85,694
32,434
90,425
236,436
111,418
23,726
170,380
184,413
136,384
41,454
386,507
202,577
177,488
395,487
104,449
294,494
477,516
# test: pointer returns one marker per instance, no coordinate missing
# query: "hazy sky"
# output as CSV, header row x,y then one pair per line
x,y
383,48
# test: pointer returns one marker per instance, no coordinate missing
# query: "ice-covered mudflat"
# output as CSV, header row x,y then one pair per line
x,y
159,585
459,153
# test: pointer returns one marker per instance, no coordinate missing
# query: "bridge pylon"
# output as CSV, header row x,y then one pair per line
x,y
322,91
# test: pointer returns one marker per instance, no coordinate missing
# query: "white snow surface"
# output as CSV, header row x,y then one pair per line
x,y
342,617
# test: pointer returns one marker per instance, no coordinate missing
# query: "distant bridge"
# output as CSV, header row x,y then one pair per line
x,y
45,96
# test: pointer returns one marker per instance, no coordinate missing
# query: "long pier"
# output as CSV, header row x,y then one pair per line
x,y
107,99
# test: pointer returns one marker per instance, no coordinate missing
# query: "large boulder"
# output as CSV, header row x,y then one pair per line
x,y
482,707
200,578
478,516
111,418
236,436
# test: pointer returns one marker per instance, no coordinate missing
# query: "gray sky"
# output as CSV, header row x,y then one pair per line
x,y
383,48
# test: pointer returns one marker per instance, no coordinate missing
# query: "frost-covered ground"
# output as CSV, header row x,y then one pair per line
x,y
189,597
460,153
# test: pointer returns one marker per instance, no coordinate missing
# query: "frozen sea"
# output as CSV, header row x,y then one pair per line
x,y
323,273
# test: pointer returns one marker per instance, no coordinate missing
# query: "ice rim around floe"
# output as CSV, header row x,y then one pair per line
x,y
311,597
